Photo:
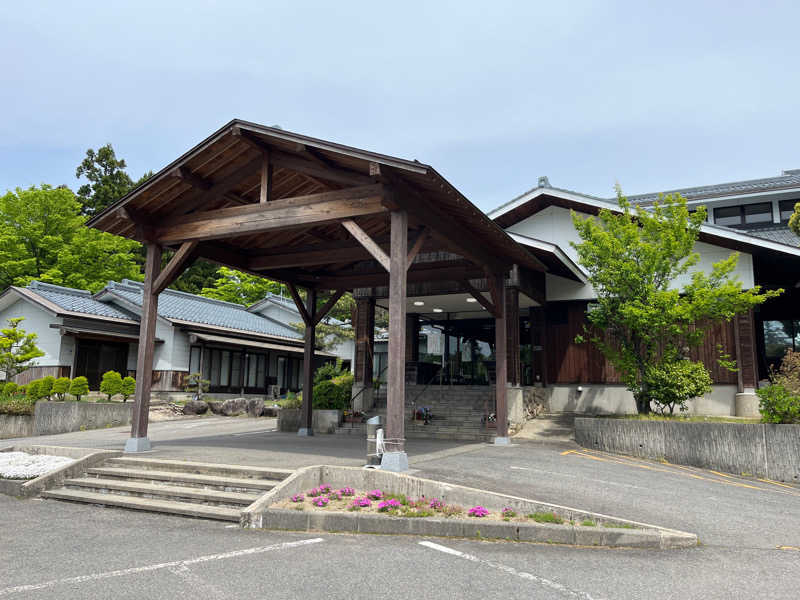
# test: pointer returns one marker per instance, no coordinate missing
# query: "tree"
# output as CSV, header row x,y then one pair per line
x,y
79,387
18,350
640,321
240,288
108,180
794,220
43,236
111,384
61,387
128,388
47,386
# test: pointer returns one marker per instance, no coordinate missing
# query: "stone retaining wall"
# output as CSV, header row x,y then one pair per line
x,y
62,417
14,426
762,450
322,421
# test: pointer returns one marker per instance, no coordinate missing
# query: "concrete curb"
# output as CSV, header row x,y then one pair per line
x,y
609,531
86,459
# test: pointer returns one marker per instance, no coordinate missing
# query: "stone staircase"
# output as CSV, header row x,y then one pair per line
x,y
192,489
457,411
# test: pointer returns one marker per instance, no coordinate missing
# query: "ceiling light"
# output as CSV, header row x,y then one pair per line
x,y
419,303
472,300
437,310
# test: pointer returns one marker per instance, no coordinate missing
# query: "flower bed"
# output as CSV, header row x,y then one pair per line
x,y
346,499
21,465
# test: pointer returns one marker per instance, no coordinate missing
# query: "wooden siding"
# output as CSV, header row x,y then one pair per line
x,y
568,362
33,373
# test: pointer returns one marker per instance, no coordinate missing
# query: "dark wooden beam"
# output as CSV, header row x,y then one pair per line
x,y
310,315
309,258
322,313
489,306
363,238
416,246
497,285
186,174
298,302
265,191
354,279
396,379
175,266
299,212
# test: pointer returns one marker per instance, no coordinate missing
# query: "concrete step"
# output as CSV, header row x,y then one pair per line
x,y
151,490
226,484
147,504
221,470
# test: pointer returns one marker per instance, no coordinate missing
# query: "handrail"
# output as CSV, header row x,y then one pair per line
x,y
363,389
427,385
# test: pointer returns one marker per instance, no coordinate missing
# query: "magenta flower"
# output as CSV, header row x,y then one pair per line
x,y
325,488
334,495
375,495
314,493
361,502
320,501
347,491
477,511
298,498
388,505
509,512
436,504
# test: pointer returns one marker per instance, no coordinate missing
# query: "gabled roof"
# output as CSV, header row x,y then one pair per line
x,y
63,301
286,304
186,309
541,197
788,180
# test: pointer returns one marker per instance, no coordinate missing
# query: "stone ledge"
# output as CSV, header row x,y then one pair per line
x,y
339,522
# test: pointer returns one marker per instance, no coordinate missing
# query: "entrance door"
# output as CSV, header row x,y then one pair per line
x,y
95,357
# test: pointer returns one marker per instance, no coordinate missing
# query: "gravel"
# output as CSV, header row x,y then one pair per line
x,y
21,465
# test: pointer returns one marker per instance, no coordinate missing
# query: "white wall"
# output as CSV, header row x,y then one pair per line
x,y
554,224
37,321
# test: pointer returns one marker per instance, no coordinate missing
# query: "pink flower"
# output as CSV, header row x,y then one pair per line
x,y
347,491
436,504
361,502
477,511
298,498
375,494
388,505
320,501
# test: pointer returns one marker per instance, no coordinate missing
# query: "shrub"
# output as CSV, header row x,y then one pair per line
x,y
778,405
111,384
546,517
329,371
79,387
9,388
292,401
128,388
671,383
478,511
195,383
329,396
60,387
788,375
46,386
34,390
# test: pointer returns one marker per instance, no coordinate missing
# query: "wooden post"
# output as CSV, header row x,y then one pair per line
x,y
512,329
138,441
501,362
395,458
306,414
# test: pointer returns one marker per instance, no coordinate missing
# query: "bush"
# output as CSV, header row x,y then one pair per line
x,y
60,387
128,388
788,375
672,383
111,384
46,386
329,396
9,388
34,390
79,387
778,404
329,371
292,401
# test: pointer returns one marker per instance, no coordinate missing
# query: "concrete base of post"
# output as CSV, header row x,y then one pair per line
x,y
396,462
502,441
305,432
746,405
133,445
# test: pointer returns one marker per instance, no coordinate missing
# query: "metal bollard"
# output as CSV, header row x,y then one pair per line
x,y
373,424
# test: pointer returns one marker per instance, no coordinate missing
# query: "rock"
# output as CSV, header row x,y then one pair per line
x,y
195,407
255,407
270,411
215,406
234,406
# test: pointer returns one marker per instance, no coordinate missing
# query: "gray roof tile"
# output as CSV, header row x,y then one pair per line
x,y
789,180
79,301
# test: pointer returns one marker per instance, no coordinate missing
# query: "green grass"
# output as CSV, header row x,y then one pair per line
x,y
546,517
619,526
588,523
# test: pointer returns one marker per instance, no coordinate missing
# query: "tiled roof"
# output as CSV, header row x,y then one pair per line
x,y
182,306
776,232
789,180
79,301
287,304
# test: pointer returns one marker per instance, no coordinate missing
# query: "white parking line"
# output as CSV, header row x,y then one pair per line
x,y
510,570
178,564
254,432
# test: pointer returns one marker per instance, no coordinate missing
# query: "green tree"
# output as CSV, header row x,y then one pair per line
x,y
108,180
240,288
43,236
200,274
18,350
47,386
111,384
61,387
640,321
128,388
794,220
79,387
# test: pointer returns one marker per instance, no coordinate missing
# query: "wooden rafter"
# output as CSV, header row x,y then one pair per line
x,y
175,266
301,307
489,306
326,308
365,240
217,190
416,246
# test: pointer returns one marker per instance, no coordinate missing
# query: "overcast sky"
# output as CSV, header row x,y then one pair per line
x,y
492,94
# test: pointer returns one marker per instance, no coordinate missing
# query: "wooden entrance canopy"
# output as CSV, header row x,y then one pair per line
x,y
311,214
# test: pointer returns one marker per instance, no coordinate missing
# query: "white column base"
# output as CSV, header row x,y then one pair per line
x,y
396,462
502,441
747,405
133,445
305,432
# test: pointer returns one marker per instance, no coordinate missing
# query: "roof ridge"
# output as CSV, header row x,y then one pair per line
x,y
788,178
41,285
138,285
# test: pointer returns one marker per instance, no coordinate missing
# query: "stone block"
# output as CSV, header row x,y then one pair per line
x,y
546,533
493,530
215,406
195,407
325,521
631,538
233,407
382,524
292,520
589,536
435,527
255,407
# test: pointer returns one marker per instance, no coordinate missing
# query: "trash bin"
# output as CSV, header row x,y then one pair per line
x,y
373,424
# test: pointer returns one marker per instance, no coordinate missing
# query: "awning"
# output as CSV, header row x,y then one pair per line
x,y
82,331
232,341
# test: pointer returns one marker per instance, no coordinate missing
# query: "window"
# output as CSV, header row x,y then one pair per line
x,y
748,214
787,209
780,336
194,359
728,215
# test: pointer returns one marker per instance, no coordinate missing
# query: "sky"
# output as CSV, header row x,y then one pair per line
x,y
495,94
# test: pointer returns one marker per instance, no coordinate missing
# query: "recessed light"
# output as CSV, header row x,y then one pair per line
x,y
472,300
437,310
419,303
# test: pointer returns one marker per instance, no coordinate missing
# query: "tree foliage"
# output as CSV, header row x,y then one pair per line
x,y
108,180
18,351
794,220
240,288
111,384
43,236
79,387
642,322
